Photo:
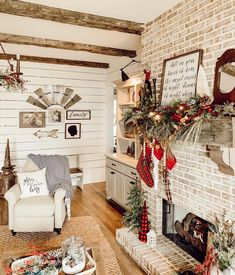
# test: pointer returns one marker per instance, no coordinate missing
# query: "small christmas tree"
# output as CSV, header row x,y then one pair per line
x,y
144,224
132,218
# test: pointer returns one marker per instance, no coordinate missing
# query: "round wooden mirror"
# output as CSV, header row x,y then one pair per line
x,y
224,84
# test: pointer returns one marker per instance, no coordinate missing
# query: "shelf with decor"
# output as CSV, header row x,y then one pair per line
x,y
121,171
127,96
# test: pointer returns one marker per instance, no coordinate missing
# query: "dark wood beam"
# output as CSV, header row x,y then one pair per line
x,y
58,44
59,61
21,8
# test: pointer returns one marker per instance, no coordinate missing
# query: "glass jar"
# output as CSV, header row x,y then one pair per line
x,y
74,255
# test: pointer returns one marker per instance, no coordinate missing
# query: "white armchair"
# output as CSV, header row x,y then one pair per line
x,y
43,213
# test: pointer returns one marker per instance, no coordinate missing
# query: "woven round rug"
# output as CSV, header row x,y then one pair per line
x,y
84,227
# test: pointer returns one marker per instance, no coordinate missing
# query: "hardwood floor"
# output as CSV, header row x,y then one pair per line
x,y
92,202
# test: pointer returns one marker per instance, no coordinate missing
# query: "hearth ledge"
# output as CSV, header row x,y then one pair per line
x,y
166,259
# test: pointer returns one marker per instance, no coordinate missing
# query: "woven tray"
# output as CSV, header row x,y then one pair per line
x,y
90,263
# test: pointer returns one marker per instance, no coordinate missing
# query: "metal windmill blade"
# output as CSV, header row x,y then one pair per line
x,y
73,100
36,102
56,95
60,93
50,96
43,96
67,95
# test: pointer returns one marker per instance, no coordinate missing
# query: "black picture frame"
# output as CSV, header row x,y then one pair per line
x,y
72,131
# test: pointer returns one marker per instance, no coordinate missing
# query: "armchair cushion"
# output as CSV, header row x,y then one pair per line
x,y
33,183
42,206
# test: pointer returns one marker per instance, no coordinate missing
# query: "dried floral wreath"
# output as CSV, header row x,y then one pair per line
x,y
11,81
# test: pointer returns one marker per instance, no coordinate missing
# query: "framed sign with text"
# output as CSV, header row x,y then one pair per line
x,y
78,114
179,79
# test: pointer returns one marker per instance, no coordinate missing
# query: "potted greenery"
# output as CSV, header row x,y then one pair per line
x,y
223,240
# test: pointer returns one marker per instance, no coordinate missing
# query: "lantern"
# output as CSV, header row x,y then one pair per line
x,y
151,238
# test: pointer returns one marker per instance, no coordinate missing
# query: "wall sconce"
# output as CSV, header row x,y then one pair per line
x,y
123,74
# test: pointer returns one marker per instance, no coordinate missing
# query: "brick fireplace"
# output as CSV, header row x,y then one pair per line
x,y
197,185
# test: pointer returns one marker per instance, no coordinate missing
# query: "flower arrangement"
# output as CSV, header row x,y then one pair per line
x,y
11,81
223,240
221,254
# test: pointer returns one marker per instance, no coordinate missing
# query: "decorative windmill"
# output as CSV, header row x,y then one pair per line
x,y
54,95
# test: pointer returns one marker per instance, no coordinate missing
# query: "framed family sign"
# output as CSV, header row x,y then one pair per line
x,y
78,115
179,79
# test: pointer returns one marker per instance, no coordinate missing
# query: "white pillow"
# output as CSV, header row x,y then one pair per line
x,y
33,184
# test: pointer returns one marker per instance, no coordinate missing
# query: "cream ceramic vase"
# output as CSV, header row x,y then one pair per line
x,y
216,271
229,271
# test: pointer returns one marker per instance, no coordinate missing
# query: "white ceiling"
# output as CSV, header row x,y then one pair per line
x,y
134,10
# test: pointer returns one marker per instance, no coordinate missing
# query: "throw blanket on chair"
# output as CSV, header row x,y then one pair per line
x,y
57,175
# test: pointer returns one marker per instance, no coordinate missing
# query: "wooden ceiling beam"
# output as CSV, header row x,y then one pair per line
x,y
59,61
21,8
65,45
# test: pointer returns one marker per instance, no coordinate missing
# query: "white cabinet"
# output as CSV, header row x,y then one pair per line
x,y
110,183
128,183
119,179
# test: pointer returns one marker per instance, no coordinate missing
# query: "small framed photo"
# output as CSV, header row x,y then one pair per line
x,y
32,120
55,115
72,130
78,115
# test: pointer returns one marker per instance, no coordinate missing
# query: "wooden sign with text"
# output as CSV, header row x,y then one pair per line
x,y
180,77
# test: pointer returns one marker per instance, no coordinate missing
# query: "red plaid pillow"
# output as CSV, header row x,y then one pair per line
x,y
143,168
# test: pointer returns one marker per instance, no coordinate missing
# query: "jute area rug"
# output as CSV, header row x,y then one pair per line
x,y
84,227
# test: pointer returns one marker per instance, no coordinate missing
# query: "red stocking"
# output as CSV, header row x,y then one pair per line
x,y
143,168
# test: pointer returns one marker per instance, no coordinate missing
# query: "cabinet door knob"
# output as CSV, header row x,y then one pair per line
x,y
114,164
132,182
133,173
112,172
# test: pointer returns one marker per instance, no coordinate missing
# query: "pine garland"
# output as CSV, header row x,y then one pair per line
x,y
179,121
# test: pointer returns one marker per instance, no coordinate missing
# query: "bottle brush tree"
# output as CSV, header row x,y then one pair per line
x,y
132,218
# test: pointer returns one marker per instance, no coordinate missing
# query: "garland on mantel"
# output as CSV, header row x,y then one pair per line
x,y
160,127
179,121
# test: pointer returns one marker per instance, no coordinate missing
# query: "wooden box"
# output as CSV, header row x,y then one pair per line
x,y
219,132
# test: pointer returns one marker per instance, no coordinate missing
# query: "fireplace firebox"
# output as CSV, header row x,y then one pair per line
x,y
186,230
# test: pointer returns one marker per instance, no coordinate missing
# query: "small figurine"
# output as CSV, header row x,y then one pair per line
x,y
147,72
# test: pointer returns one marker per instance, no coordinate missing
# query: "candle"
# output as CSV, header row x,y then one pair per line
x,y
155,92
17,56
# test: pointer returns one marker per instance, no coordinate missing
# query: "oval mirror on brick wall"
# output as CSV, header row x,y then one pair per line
x,y
224,83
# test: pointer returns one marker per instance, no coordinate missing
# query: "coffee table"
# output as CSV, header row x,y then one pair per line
x,y
96,250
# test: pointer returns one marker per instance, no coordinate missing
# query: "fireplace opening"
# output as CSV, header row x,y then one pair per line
x,y
186,230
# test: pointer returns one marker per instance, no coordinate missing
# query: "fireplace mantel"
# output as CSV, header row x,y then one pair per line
x,y
219,136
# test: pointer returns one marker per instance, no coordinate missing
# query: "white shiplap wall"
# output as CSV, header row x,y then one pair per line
x,y
91,86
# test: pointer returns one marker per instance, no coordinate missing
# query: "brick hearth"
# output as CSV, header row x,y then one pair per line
x,y
166,259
